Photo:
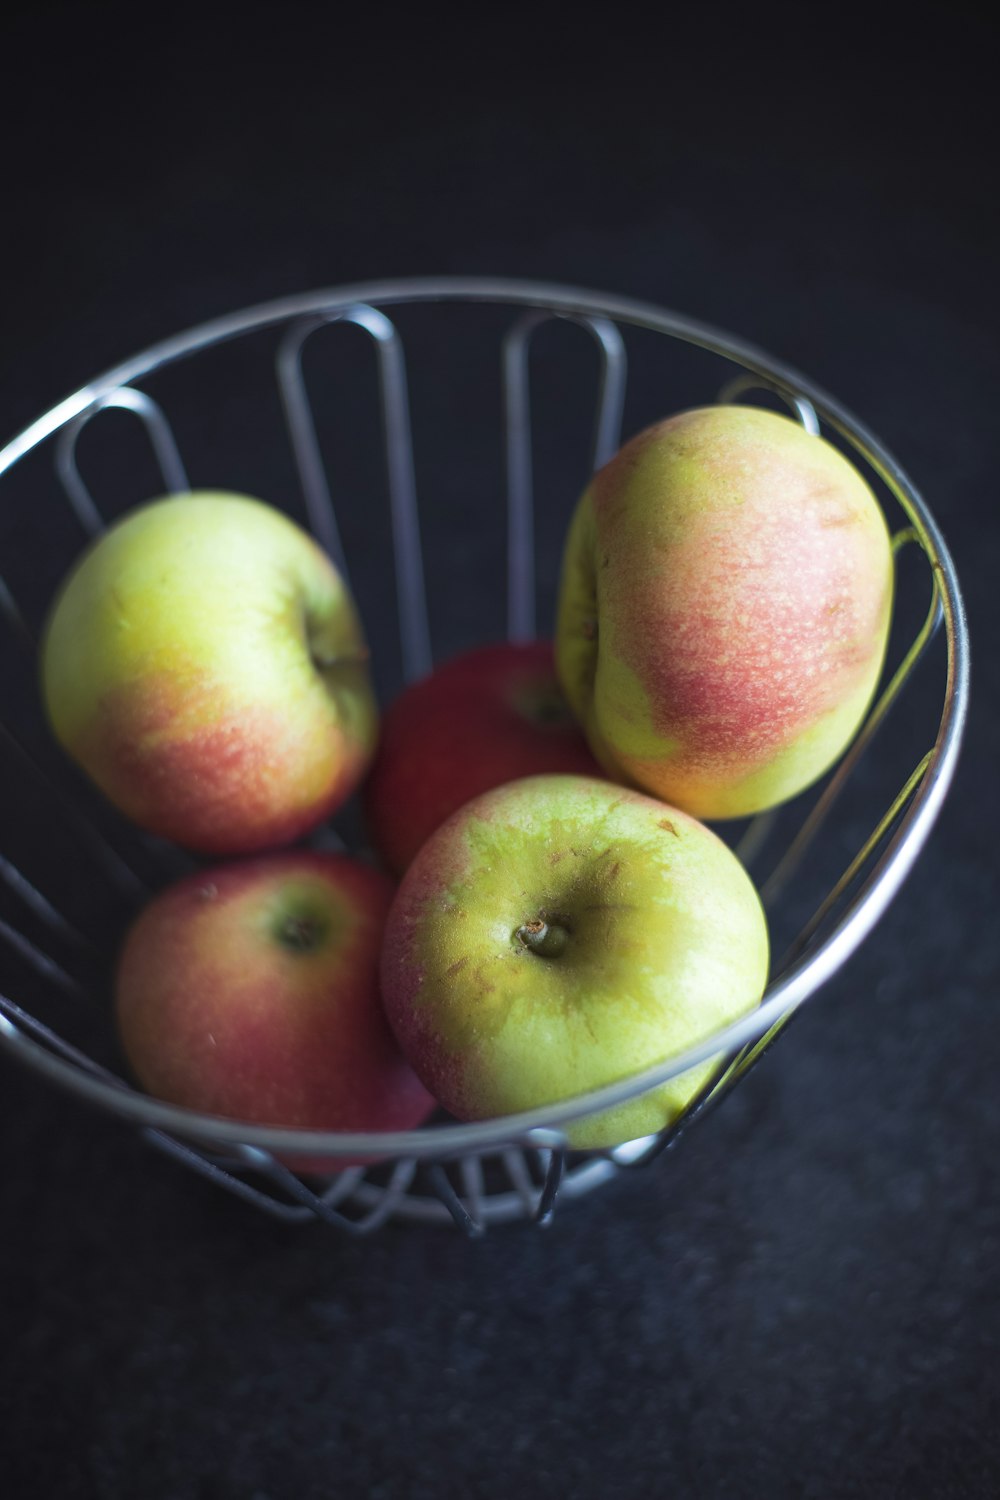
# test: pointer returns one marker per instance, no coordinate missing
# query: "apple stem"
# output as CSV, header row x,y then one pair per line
x,y
545,939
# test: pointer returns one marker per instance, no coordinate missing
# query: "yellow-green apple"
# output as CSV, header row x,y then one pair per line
x,y
724,609
560,933
488,716
251,990
205,665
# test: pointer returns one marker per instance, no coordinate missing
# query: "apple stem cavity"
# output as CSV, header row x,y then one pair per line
x,y
551,710
544,939
323,654
324,660
301,934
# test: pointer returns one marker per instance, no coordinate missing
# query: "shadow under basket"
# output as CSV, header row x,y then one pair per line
x,y
342,406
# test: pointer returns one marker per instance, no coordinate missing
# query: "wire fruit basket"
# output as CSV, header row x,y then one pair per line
x,y
512,363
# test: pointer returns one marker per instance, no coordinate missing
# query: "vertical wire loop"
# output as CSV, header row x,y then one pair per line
x,y
519,1176
517,434
286,1180
11,610
792,858
400,472
390,1196
438,1178
804,411
550,1188
857,864
162,441
38,960
119,872
473,1185
40,905
194,1161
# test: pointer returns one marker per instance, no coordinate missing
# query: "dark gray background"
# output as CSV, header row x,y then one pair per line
x,y
803,1301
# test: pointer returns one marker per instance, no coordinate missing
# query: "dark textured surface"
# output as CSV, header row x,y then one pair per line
x,y
803,1301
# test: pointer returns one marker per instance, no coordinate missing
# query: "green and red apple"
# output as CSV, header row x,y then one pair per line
x,y
561,933
205,665
251,990
724,609
491,715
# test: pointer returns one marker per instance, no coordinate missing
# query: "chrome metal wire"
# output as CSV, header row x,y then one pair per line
x,y
471,1174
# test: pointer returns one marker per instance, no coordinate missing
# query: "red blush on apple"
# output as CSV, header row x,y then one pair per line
x,y
492,715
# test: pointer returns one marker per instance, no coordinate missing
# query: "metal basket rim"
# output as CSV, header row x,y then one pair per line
x,y
540,1127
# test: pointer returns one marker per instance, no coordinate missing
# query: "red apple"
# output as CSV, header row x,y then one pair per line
x,y
251,990
492,715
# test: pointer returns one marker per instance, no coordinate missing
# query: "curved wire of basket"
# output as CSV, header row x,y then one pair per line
x,y
530,1147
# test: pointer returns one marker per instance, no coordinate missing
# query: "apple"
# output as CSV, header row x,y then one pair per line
x,y
251,990
205,666
724,609
560,933
491,715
